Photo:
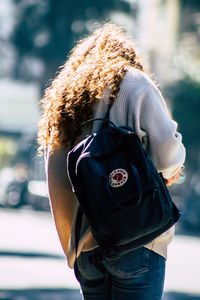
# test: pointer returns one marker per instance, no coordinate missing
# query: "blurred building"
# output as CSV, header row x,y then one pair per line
x,y
21,170
19,114
157,35
19,109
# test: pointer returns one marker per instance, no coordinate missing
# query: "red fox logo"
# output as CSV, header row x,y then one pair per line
x,y
118,177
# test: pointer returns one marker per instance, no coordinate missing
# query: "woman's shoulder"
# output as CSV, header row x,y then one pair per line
x,y
137,81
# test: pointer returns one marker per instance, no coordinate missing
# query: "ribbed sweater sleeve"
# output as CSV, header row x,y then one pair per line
x,y
164,141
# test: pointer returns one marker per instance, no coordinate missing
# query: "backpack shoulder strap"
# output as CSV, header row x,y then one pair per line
x,y
105,123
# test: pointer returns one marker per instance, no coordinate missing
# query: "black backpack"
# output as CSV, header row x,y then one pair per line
x,y
119,190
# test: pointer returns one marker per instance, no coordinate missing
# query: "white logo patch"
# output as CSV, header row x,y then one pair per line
x,y
118,177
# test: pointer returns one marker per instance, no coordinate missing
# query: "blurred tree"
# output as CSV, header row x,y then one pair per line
x,y
190,3
186,108
45,32
188,46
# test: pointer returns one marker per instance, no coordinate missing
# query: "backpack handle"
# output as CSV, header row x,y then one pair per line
x,y
105,120
139,188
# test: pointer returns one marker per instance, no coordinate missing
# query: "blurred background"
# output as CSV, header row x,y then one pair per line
x,y
35,39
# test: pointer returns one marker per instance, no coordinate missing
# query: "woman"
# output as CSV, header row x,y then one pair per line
x,y
105,67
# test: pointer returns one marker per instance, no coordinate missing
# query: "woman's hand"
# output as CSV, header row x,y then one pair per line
x,y
174,178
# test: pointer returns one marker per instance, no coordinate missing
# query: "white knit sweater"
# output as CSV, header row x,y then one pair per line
x,y
140,105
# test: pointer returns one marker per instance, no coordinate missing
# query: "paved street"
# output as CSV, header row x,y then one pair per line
x,y
33,266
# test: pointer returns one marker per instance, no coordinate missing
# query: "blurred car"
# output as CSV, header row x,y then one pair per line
x,y
38,195
18,191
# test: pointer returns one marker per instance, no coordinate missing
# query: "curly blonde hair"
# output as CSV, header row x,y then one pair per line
x,y
96,62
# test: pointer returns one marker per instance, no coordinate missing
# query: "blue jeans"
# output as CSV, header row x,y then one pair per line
x,y
137,275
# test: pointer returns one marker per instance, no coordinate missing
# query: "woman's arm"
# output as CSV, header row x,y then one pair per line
x,y
164,141
62,199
